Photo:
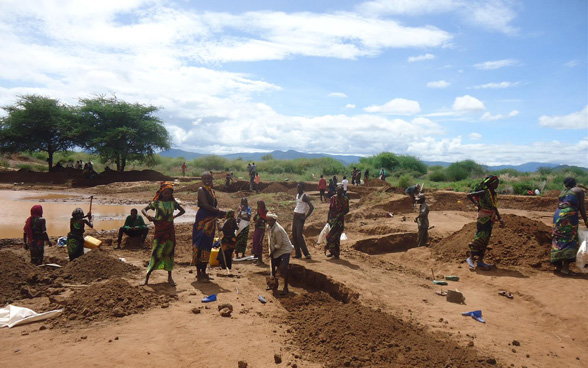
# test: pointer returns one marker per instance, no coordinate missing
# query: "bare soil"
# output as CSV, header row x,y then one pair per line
x,y
377,306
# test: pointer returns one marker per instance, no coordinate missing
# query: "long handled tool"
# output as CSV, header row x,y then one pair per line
x,y
91,198
221,249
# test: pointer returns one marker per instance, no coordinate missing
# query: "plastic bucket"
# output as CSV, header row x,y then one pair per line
x,y
91,243
213,255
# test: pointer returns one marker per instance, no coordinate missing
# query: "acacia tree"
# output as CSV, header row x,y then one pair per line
x,y
120,132
37,124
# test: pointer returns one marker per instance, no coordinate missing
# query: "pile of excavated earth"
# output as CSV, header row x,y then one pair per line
x,y
375,307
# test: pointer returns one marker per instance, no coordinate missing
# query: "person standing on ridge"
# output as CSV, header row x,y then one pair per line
x,y
485,198
322,186
302,211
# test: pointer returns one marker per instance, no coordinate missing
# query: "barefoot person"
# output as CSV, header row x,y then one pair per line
x,y
259,219
338,208
204,226
35,235
302,211
228,241
243,218
564,245
485,198
164,237
280,248
75,237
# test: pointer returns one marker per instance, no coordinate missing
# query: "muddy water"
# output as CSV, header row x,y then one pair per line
x,y
15,208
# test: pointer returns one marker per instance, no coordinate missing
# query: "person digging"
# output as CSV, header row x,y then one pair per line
x,y
280,248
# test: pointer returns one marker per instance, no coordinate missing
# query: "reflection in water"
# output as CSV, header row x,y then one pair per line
x,y
16,208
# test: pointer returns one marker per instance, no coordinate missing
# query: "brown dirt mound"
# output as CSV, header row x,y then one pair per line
x,y
20,279
96,265
352,335
275,188
522,242
114,298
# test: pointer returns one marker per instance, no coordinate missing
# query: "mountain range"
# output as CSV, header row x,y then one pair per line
x,y
345,159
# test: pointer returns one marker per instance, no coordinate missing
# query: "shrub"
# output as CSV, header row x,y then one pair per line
x,y
405,181
437,176
457,173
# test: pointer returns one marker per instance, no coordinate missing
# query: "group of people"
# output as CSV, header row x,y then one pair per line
x,y
235,230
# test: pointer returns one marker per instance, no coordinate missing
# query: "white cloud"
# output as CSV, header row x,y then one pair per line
x,y
575,120
338,94
468,103
438,84
489,117
452,149
496,64
412,59
497,85
397,106
350,106
493,15
475,136
572,63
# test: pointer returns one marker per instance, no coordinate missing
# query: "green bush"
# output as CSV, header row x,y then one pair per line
x,y
456,172
522,186
208,163
437,176
405,181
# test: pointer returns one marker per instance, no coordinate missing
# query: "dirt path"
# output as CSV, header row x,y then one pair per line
x,y
543,325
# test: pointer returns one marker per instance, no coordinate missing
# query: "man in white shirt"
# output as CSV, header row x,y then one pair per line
x,y
345,183
280,248
302,210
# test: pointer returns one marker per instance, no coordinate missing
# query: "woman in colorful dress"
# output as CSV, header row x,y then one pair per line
x,y
228,241
204,227
75,237
35,235
485,198
164,237
243,218
338,208
259,219
564,246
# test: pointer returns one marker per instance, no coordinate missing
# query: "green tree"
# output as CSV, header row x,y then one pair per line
x,y
37,124
267,157
119,131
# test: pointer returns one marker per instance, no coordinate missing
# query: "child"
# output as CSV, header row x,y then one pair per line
x,y
228,240
75,237
35,235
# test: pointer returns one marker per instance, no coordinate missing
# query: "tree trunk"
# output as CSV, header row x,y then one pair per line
x,y
50,160
123,164
118,163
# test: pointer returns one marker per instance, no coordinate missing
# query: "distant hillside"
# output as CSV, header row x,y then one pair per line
x,y
256,156
347,160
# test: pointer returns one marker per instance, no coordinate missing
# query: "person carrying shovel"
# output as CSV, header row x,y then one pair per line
x,y
280,248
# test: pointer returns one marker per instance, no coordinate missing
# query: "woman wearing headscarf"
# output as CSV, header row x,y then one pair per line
x,y
564,245
35,235
485,198
204,226
338,208
75,237
243,218
228,241
259,220
164,238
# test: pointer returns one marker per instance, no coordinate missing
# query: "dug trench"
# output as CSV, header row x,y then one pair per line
x,y
331,326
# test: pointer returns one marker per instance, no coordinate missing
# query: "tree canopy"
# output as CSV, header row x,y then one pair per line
x,y
37,124
119,131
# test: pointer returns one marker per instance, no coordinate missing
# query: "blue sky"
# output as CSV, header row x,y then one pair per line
x,y
496,81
